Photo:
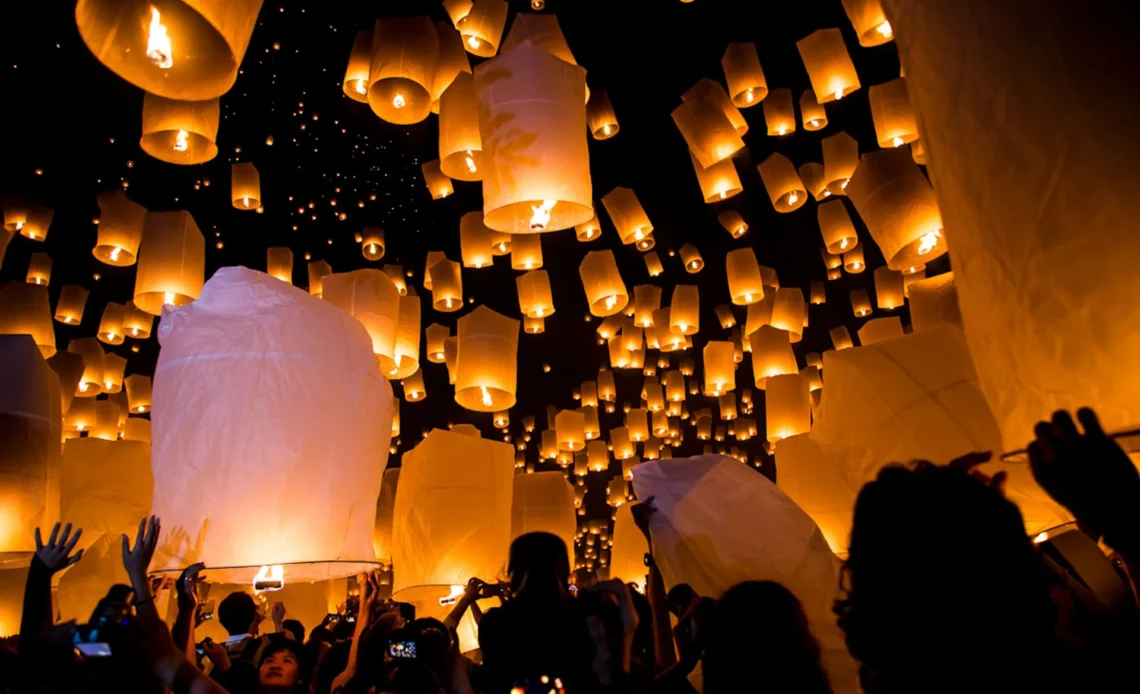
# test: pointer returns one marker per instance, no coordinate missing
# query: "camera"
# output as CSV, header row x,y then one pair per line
x,y
111,617
402,650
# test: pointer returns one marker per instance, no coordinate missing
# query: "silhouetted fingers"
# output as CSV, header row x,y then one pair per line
x,y
1090,422
1046,441
1064,426
74,539
39,540
54,534
140,534
77,557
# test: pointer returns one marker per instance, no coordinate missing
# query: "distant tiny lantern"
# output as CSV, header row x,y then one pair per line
x,y
626,213
69,308
405,56
438,184
888,288
691,258
372,243
482,27
446,286
172,262
532,118
780,112
25,310
787,406
860,302
684,310
120,229
853,260
720,368
828,65
785,189
180,132
111,324
653,264
535,299
605,290
486,360
246,186
355,84
895,124
744,75
870,23
600,116
526,251
460,146
840,159
899,208
733,223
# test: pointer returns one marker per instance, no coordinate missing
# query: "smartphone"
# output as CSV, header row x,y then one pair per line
x,y
332,617
402,649
206,611
103,650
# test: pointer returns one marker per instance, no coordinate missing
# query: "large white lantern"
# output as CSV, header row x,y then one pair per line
x,y
543,502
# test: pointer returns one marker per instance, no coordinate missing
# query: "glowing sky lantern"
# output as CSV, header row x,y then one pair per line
x,y
452,62
460,146
871,25
171,264
438,184
811,112
446,286
120,229
180,132
626,213
486,360
370,297
24,310
605,290
779,112
600,116
69,308
39,269
405,56
835,224
828,65
475,241
746,83
535,300
372,243
894,119
840,158
355,82
743,273
684,310
245,186
785,189
482,27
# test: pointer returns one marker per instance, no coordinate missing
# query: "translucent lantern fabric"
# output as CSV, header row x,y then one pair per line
x,y
934,302
486,358
438,184
828,65
355,83
787,406
172,262
771,354
816,479
718,181
245,186
719,523
460,147
600,114
435,335
535,300
31,428
811,173
733,223
871,25
570,426
39,269
589,230
452,517
1042,247
446,286
707,130
788,312
318,270
370,297
605,289
526,252
475,241
452,61
888,288
745,77
835,224
879,329
785,189
720,368
860,302
685,310
180,132
120,229
627,556
318,453
853,261
532,119
69,307
279,263
385,508
482,27
24,310
840,159
894,119
139,390
691,258
205,41
780,112
629,218
812,114
544,503
372,243
405,55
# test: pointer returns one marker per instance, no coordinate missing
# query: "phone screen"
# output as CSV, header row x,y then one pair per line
x,y
402,649
94,650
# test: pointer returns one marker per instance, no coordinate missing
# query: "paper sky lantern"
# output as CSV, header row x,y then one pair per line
x,y
733,223
899,208
621,443
725,316
246,186
91,382
34,225
606,388
707,130
934,302
324,447
746,83
816,480
180,132
779,112
138,393
69,308
39,269
828,65
172,259
605,290
106,421
405,57
526,251
355,84
788,312
879,329
372,243
24,310
589,393
457,9
370,297
475,241
460,147
534,326
535,300
435,336
811,173
15,212
713,93
452,62
385,507
396,273
486,360
482,27
407,340
452,517
811,112
570,427
684,310
860,303
653,264
137,429
718,181
785,189
888,288
759,313
691,258
120,229
626,213
841,338
589,230
543,502
111,324
771,354
720,369
840,159
637,424
279,263
871,25
599,114
446,286
719,523
500,242
597,456
318,270
532,118
190,50
835,224
437,183
543,31
30,424
853,260
743,272
894,119
787,406
414,390
646,300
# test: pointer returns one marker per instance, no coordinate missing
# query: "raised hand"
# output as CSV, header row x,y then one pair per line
x,y
1090,475
55,554
642,512
278,614
137,561
187,585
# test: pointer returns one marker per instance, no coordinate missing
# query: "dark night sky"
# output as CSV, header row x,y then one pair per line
x,y
71,117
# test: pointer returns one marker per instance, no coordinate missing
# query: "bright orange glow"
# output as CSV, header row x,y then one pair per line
x,y
158,47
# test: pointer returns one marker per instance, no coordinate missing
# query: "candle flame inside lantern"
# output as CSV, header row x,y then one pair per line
x,y
470,161
158,47
748,96
452,597
398,101
606,128
359,87
134,332
782,129
115,253
929,242
245,201
83,386
168,299
897,142
793,197
486,396
541,216
181,141
473,41
67,319
611,301
885,29
269,578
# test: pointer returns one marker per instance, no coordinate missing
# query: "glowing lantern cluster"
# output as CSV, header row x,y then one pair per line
x,y
120,229
172,260
180,132
486,354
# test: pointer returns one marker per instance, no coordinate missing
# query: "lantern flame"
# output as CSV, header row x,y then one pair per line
x,y
611,301
843,243
67,319
181,143
826,193
473,41
359,87
245,201
398,101
748,95
269,578
845,182
793,197
486,396
929,242
541,216
168,299
107,384
19,226
814,122
856,265
115,253
470,161
83,386
158,47
885,29
839,94
606,129
540,312
452,597
897,142
747,297
782,129
134,332
111,336
141,408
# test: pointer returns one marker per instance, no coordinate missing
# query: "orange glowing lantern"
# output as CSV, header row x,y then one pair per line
x,y
733,223
172,262
405,57
526,251
718,181
744,75
482,27
771,354
871,25
626,213
860,302
446,286
111,324
684,310
744,283
888,288
785,189
600,115
707,130
691,259
853,260
787,406
486,361
605,290
120,229
180,132
355,83
894,119
245,186
828,65
69,308
460,146
535,299
438,184
371,243
780,112
811,112
840,159
475,241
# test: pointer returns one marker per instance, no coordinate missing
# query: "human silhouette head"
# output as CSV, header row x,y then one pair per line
x,y
539,564
237,614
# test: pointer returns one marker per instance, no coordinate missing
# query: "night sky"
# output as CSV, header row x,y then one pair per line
x,y
71,131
